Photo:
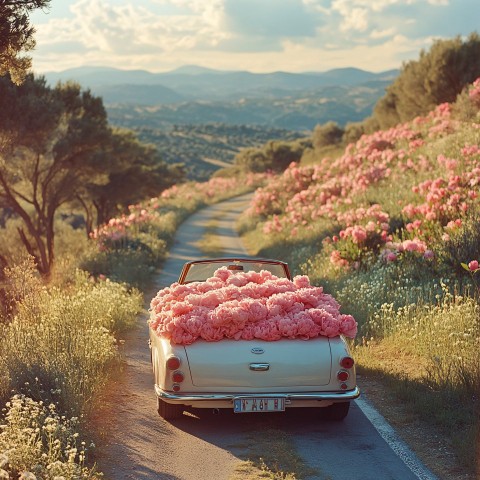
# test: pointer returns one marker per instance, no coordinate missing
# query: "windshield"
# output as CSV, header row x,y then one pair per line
x,y
200,271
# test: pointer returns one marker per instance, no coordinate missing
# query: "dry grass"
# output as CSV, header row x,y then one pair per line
x,y
272,456
211,244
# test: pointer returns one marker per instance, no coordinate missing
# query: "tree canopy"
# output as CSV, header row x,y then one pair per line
x,y
135,171
328,134
56,147
274,156
438,76
16,36
49,139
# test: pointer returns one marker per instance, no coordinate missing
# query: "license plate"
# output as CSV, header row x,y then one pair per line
x,y
258,404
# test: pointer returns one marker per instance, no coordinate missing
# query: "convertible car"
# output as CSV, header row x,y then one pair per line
x,y
245,365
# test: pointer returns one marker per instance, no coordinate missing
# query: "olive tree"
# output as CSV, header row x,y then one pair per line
x,y
50,141
16,36
134,171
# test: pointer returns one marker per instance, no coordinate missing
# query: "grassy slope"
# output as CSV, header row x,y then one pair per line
x,y
402,308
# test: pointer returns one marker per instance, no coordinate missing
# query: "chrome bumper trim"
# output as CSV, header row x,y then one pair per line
x,y
335,396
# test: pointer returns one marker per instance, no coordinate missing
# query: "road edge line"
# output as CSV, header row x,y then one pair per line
x,y
401,449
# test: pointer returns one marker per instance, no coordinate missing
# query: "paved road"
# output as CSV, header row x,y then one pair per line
x,y
208,447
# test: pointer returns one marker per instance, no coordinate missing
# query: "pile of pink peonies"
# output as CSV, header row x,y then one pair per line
x,y
247,306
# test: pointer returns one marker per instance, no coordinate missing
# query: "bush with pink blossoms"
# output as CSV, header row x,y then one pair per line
x,y
245,306
409,250
131,246
458,243
425,175
356,243
467,106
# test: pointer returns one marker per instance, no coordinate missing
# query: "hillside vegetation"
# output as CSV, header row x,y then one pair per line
x,y
388,221
391,228
206,136
60,338
206,148
203,117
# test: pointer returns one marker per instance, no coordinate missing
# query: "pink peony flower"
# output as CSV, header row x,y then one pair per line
x,y
222,273
256,309
348,326
330,326
239,280
390,257
180,308
287,327
301,281
255,305
267,330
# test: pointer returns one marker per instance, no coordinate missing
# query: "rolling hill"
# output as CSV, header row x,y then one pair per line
x,y
278,105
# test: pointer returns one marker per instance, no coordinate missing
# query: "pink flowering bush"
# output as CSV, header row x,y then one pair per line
x,y
411,248
348,203
302,195
245,306
131,246
366,232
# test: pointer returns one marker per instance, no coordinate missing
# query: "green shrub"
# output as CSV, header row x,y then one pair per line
x,y
37,439
62,340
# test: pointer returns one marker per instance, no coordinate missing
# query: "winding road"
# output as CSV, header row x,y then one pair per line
x,y
140,445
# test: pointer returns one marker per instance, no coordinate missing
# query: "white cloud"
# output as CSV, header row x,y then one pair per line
x,y
128,29
389,32
258,35
355,19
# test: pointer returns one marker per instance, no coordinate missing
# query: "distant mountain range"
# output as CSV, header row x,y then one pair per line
x,y
198,116
191,83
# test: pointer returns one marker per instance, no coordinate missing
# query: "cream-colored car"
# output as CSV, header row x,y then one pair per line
x,y
248,376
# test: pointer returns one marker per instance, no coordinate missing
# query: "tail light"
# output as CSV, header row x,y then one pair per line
x,y
343,375
176,387
173,363
178,377
347,362
343,386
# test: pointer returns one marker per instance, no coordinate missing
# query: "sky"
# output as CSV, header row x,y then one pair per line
x,y
254,35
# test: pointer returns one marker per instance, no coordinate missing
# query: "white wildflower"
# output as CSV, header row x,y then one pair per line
x,y
27,476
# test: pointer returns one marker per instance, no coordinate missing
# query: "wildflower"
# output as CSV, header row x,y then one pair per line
x,y
27,476
428,255
473,265
390,257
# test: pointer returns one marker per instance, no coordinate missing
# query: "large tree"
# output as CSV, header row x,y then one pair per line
x,y
56,148
134,172
274,156
50,142
16,36
438,76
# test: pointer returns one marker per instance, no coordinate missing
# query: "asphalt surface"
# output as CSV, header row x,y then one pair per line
x,y
207,446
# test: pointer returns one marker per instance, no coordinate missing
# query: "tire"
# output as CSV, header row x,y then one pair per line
x,y
337,412
168,411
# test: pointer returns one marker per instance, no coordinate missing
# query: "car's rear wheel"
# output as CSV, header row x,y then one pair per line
x,y
337,411
168,411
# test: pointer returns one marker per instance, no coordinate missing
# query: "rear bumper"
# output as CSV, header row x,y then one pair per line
x,y
228,397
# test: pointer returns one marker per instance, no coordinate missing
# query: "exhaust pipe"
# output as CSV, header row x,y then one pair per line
x,y
215,411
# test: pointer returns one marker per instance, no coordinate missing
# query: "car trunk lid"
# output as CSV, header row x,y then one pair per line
x,y
230,363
